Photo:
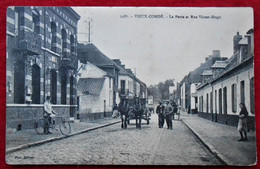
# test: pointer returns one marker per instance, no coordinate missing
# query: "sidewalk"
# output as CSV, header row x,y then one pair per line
x,y
27,138
222,140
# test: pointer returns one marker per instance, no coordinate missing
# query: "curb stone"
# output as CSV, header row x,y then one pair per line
x,y
37,143
224,160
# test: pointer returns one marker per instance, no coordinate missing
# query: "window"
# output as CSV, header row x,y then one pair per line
x,y
72,96
109,83
216,97
36,84
36,21
242,92
63,88
53,36
234,98
201,103
252,95
225,100
211,102
122,85
72,44
19,82
220,101
53,87
207,104
16,22
63,40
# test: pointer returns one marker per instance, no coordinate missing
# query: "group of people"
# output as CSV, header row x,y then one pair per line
x,y
166,112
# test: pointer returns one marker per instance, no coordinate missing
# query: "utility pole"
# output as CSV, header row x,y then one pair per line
x,y
89,31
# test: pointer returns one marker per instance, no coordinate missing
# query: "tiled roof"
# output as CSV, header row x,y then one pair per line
x,y
207,73
90,53
90,86
219,64
195,75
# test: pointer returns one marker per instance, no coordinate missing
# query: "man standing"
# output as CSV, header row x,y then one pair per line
x,y
168,111
159,111
48,113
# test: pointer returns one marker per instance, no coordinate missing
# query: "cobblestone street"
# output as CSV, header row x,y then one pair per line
x,y
113,145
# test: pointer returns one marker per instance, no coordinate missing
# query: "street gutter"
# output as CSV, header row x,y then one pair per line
x,y
224,160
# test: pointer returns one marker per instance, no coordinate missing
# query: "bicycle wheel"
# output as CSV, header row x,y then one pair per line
x,y
40,124
65,127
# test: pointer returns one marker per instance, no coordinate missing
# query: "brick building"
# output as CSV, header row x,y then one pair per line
x,y
229,83
41,60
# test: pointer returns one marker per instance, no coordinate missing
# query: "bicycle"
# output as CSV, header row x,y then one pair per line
x,y
43,123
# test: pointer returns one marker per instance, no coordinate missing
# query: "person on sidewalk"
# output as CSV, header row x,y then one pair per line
x,y
48,114
168,111
159,112
116,113
242,122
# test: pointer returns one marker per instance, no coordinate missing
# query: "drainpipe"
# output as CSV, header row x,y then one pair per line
x,y
44,55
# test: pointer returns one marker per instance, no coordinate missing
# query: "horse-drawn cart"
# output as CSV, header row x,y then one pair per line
x,y
145,113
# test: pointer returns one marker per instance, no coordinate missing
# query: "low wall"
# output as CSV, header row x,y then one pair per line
x,y
23,116
93,116
231,120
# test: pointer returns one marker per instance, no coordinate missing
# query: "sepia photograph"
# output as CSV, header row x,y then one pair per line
x,y
130,86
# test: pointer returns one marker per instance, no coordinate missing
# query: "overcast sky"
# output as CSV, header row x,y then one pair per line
x,y
167,46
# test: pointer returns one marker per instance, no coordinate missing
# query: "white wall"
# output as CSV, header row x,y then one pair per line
x,y
129,82
93,104
236,79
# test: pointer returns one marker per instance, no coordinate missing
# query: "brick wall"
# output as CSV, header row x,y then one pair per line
x,y
26,115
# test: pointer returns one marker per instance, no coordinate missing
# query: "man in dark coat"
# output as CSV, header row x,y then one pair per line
x,y
159,111
168,111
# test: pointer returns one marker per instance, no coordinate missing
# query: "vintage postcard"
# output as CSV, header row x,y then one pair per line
x,y
130,86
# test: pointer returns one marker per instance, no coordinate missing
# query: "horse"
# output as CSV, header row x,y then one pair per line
x,y
137,108
124,109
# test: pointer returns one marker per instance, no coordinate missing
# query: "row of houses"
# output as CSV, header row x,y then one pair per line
x,y
216,88
44,58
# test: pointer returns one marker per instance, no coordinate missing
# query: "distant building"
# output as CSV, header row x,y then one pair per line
x,y
130,85
228,83
41,61
189,83
150,100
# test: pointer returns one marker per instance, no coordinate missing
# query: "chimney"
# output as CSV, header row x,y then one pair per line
x,y
206,59
129,71
216,53
236,39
